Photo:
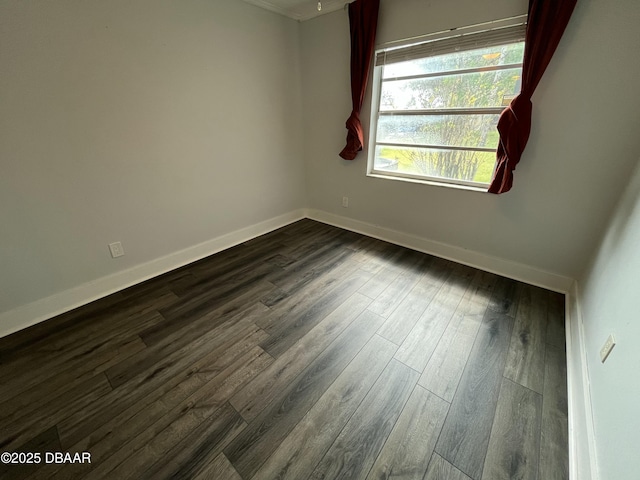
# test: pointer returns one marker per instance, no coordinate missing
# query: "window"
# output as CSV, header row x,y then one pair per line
x,y
437,104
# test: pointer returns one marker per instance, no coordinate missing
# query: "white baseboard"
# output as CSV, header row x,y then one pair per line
x,y
506,268
582,442
40,310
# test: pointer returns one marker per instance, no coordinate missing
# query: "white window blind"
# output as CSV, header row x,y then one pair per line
x,y
452,44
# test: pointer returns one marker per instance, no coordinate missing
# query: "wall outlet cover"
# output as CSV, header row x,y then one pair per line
x,y
607,347
116,249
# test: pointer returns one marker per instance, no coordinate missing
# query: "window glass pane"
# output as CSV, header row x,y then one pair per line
x,y
484,57
471,90
448,164
446,130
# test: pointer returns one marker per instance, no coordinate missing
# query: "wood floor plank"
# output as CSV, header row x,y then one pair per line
x,y
464,271
127,317
308,242
90,322
300,266
196,453
47,441
405,259
417,348
297,274
260,392
203,333
355,450
465,435
398,289
486,280
406,453
367,249
42,333
440,469
251,449
280,260
304,447
439,269
404,318
525,363
315,273
110,436
316,294
221,425
167,373
218,301
556,334
554,459
142,451
21,430
392,261
444,370
220,468
514,445
246,305
379,282
29,396
375,256
230,267
294,327
505,297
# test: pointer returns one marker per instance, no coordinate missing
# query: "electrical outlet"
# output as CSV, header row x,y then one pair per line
x,y
345,202
607,347
116,249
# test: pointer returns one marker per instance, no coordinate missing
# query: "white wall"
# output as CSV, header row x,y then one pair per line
x,y
161,124
585,121
609,303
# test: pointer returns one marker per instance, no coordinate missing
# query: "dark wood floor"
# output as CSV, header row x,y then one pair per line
x,y
310,352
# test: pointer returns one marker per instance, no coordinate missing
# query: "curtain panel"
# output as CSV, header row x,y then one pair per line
x,y
363,22
546,24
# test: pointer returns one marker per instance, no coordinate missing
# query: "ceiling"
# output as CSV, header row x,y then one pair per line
x,y
300,9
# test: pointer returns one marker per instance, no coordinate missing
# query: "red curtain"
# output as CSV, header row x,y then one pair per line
x,y
545,26
363,21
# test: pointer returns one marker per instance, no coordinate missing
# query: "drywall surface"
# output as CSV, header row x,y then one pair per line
x,y
158,124
610,304
580,152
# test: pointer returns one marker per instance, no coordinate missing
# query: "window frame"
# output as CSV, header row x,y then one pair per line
x,y
377,83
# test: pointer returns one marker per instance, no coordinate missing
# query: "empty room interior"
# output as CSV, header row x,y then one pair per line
x,y
205,275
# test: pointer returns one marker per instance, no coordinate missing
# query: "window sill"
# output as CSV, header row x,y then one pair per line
x,y
429,182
